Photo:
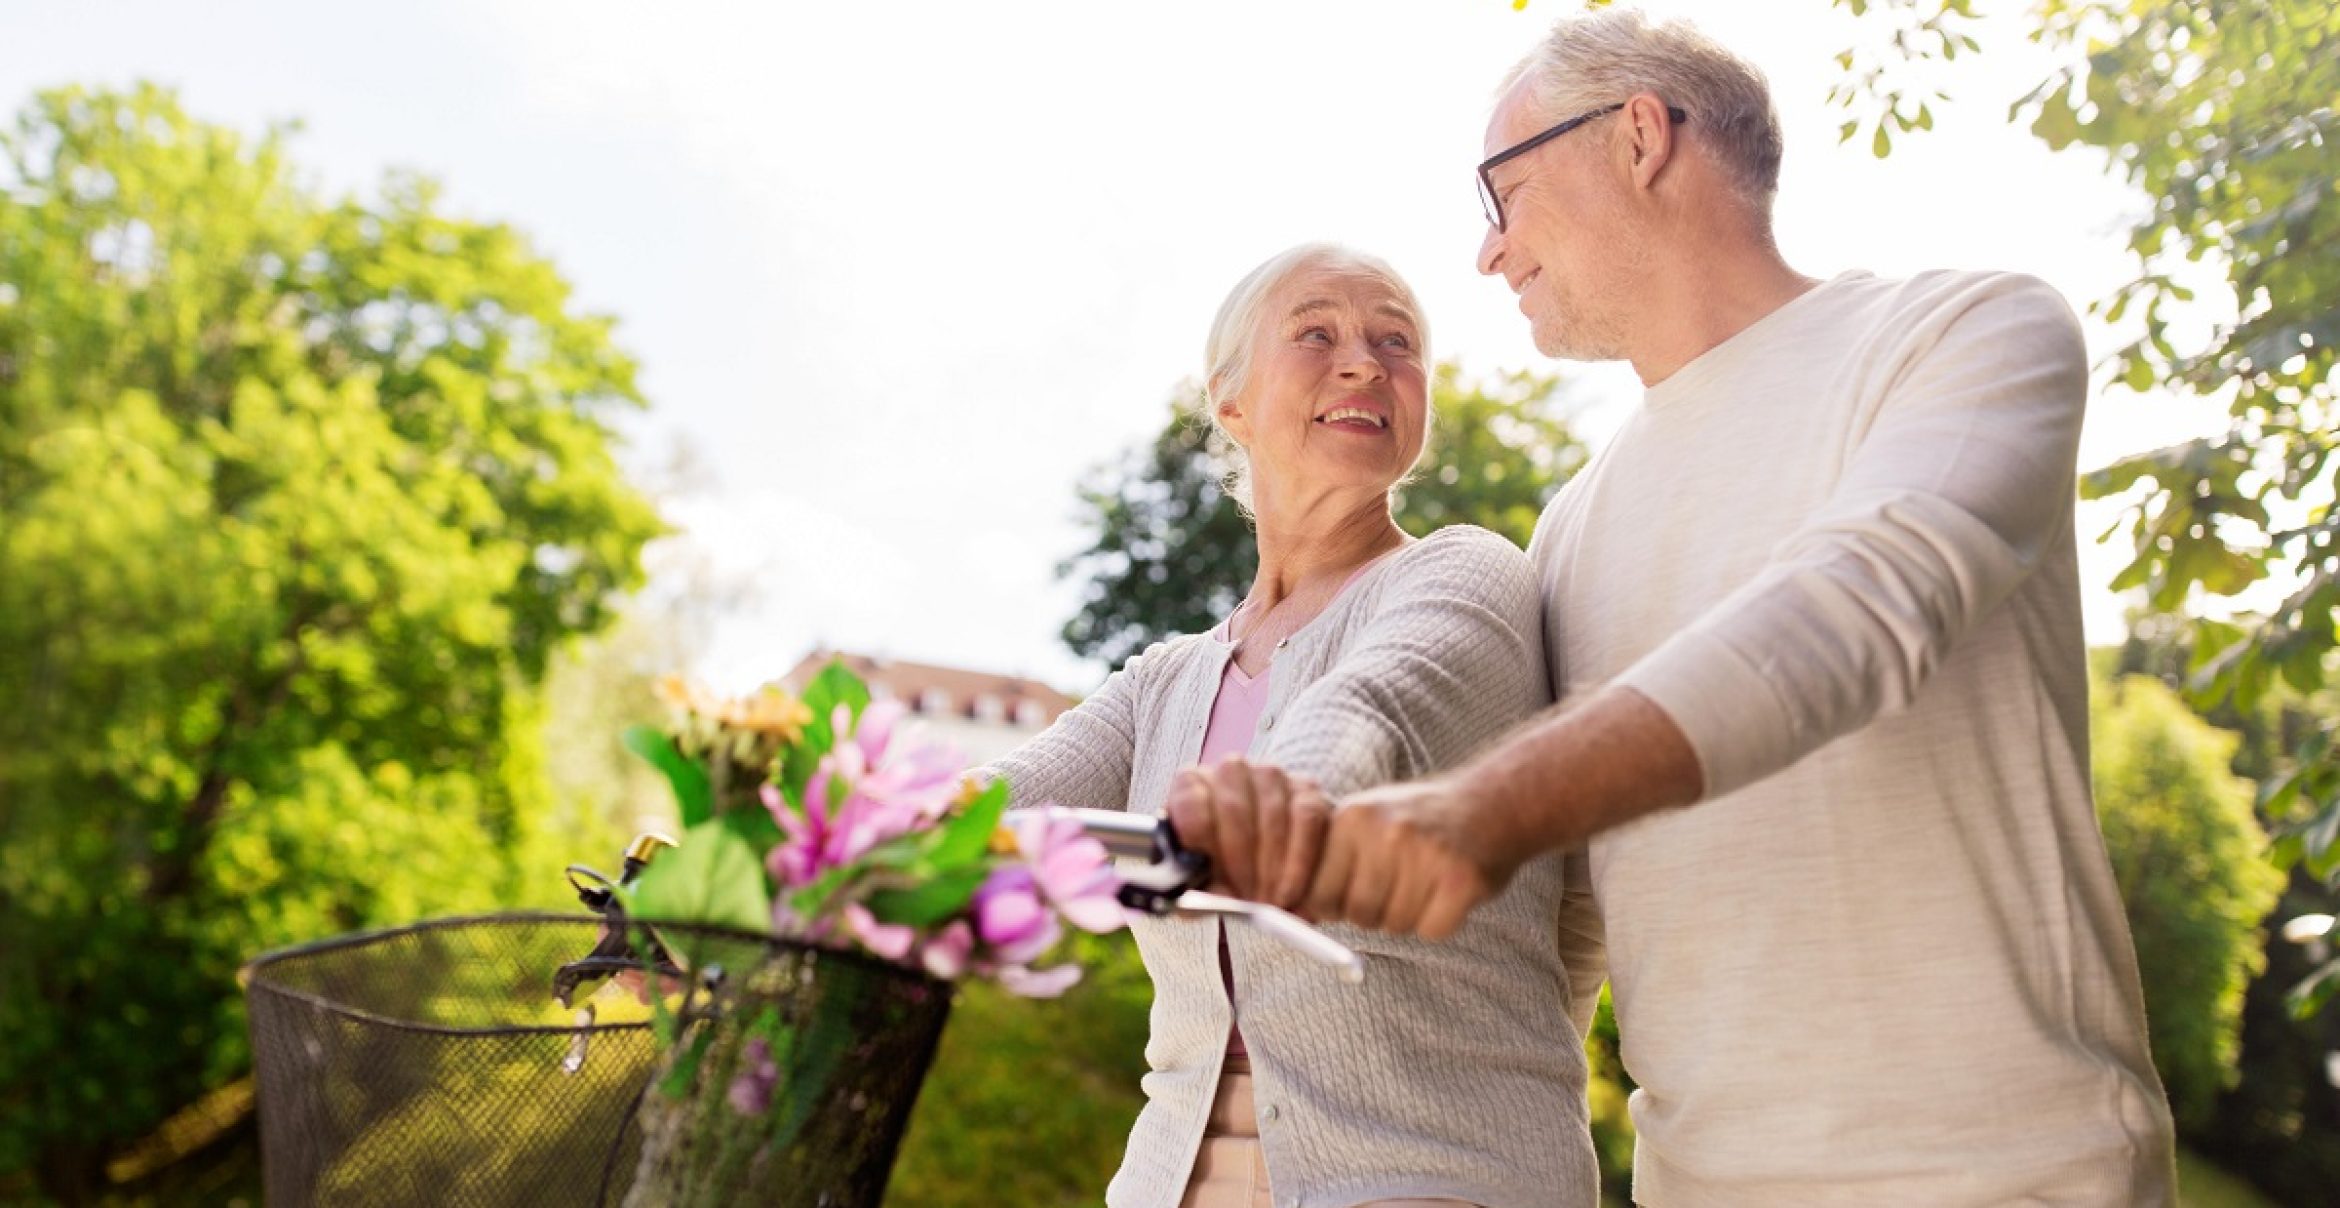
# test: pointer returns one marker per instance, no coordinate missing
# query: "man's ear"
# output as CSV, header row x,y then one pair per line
x,y
1648,131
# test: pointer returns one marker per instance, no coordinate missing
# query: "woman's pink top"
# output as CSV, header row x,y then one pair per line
x,y
1235,713
1234,722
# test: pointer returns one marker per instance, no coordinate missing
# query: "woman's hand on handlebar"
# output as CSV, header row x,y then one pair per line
x,y
1263,827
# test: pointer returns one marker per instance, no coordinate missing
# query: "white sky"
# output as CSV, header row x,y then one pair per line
x,y
900,271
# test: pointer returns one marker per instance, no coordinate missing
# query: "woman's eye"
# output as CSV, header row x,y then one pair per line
x,y
1398,339
1316,333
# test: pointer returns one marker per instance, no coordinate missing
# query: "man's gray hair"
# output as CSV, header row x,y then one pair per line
x,y
1227,354
1604,57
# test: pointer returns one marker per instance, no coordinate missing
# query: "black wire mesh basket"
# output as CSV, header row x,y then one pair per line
x,y
432,1064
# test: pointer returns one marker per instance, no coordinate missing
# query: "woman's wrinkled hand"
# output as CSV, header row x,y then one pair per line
x,y
1263,828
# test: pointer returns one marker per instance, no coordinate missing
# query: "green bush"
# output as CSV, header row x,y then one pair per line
x,y
2188,854
1030,1102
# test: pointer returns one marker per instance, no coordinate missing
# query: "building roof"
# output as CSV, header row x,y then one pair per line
x,y
937,691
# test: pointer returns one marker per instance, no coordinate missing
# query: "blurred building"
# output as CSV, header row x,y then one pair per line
x,y
983,715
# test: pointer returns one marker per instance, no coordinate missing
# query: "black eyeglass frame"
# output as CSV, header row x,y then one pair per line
x,y
1493,204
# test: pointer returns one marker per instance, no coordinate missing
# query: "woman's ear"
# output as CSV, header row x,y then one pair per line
x,y
1232,420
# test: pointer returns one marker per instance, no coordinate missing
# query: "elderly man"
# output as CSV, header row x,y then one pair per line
x,y
1815,613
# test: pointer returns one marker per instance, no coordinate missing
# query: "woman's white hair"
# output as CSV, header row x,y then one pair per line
x,y
1227,354
1604,57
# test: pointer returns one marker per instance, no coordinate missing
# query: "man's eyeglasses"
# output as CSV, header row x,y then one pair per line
x,y
1492,204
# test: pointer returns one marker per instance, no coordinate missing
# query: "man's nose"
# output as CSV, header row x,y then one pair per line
x,y
1491,252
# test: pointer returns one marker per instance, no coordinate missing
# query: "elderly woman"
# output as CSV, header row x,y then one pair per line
x,y
1454,1073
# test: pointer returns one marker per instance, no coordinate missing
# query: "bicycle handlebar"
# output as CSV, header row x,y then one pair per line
x,y
1170,884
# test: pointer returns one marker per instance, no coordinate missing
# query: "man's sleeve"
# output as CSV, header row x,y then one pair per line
x,y
1960,486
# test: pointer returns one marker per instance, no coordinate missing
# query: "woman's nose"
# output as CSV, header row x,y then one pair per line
x,y
1357,362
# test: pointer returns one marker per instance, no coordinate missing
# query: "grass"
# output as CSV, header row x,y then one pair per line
x,y
1029,1103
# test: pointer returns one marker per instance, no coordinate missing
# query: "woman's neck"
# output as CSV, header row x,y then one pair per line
x,y
1300,547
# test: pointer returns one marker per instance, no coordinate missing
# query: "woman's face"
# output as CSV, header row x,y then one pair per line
x,y
1336,395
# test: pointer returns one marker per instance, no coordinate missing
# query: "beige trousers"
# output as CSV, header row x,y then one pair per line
x,y
1231,1170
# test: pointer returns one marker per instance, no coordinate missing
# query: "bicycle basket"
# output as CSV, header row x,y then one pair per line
x,y
430,1065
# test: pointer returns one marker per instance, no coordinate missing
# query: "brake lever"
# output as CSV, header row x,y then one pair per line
x,y
1281,924
1167,883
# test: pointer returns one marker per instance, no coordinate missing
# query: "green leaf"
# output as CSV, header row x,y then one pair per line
x,y
684,1071
713,877
756,827
2057,124
693,796
1882,145
932,903
2320,840
967,837
2309,997
809,1065
835,686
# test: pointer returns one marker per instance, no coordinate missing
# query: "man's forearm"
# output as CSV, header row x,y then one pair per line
x,y
1579,771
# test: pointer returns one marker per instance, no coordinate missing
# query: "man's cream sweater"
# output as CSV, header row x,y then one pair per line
x,y
1885,961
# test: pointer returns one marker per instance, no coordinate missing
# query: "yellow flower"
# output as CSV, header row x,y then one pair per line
x,y
688,698
1003,842
769,711
674,692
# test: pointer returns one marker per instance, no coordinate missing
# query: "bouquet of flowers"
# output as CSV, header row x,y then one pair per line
x,y
815,818
819,824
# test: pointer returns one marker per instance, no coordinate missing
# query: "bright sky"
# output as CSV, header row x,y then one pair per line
x,y
900,272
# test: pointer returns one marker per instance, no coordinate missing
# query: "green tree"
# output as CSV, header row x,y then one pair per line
x,y
1173,553
298,499
2185,849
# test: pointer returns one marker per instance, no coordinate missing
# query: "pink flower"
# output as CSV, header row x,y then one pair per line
x,y
795,861
1072,869
1042,983
921,778
866,790
891,941
751,1093
1010,916
947,954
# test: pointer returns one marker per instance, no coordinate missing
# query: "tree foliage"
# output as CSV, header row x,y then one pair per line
x,y
297,500
1173,553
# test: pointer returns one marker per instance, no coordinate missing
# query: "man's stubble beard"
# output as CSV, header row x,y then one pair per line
x,y
1592,324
